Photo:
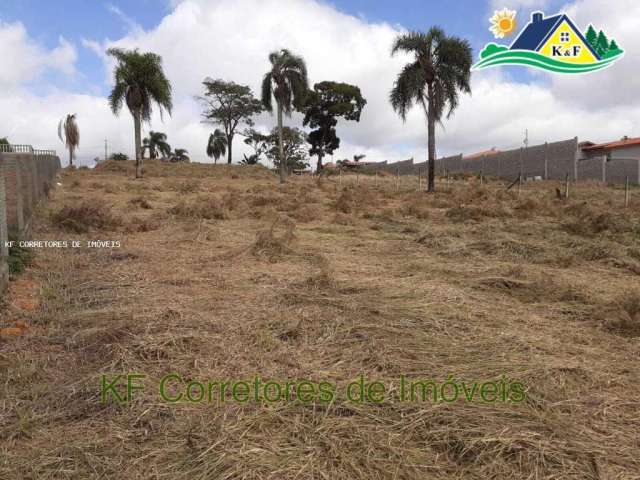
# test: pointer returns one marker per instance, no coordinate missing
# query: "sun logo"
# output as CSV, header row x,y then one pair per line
x,y
503,23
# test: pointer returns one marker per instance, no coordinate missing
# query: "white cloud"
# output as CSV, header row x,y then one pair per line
x,y
25,60
200,38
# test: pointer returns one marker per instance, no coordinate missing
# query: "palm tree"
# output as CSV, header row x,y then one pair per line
x,y
287,82
156,143
69,133
217,145
139,81
441,67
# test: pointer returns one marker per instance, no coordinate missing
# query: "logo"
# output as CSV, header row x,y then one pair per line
x,y
553,44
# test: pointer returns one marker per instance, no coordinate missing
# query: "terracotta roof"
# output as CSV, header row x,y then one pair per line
x,y
485,153
625,142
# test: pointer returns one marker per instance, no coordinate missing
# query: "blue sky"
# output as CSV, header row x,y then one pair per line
x,y
78,20
342,40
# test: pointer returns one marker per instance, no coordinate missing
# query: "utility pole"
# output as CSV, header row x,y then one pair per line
x,y
526,138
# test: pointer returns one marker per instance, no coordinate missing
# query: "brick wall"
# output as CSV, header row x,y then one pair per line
x,y
23,180
4,269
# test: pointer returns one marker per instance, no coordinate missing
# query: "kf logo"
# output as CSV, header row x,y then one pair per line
x,y
112,388
556,51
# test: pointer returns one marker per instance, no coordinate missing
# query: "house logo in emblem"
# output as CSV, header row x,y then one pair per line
x,y
553,44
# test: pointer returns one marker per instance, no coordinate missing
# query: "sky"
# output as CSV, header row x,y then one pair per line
x,y
54,63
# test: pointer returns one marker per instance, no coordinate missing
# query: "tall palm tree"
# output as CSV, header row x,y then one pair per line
x,y
287,82
156,143
69,133
217,145
441,68
139,81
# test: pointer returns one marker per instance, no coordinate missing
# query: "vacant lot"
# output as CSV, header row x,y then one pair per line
x,y
223,274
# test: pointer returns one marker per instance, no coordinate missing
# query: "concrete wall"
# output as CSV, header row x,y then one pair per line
x,y
617,171
593,169
25,177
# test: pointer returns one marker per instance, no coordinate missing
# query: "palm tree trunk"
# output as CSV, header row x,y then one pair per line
x,y
71,156
283,163
431,143
319,166
138,142
229,145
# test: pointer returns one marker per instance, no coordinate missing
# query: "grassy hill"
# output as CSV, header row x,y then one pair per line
x,y
223,274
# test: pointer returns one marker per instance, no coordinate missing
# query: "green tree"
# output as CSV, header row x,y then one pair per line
x,y
5,146
139,81
287,83
322,107
441,68
180,155
217,145
258,142
592,37
69,133
229,105
156,143
602,44
293,148
119,157
613,48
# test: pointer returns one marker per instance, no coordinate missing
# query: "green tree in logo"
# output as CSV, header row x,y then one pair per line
x,y
602,44
592,37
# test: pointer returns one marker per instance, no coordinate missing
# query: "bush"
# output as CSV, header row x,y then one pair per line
x,y
19,258
207,207
86,216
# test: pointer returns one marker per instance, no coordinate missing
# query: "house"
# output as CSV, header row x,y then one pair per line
x,y
555,37
626,147
479,155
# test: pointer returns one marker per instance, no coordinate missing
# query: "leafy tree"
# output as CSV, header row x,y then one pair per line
x,y
592,37
139,81
322,107
287,83
156,143
357,158
602,44
69,133
217,145
258,142
293,148
119,156
441,68
5,145
229,105
180,155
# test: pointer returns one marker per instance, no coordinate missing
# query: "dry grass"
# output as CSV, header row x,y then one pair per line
x,y
227,278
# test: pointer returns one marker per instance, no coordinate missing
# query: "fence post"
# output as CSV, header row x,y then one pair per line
x,y
626,192
375,181
481,178
519,183
419,180
546,161
566,186
340,176
357,176
447,178
397,179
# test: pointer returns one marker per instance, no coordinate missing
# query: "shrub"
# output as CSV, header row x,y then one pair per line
x,y
141,202
86,216
19,258
207,207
